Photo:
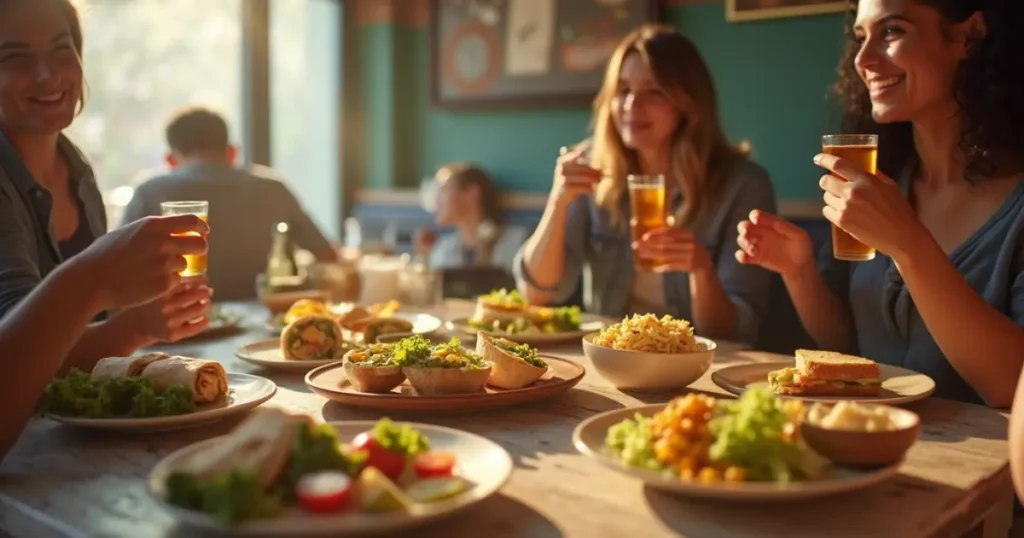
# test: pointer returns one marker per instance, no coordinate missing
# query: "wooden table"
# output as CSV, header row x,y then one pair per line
x,y
58,481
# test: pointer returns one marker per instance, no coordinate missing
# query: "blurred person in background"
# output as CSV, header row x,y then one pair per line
x,y
467,200
655,114
50,206
244,206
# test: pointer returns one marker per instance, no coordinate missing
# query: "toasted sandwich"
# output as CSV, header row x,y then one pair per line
x,y
827,373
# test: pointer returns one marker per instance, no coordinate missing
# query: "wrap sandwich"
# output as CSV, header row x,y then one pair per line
x,y
115,367
372,327
207,379
262,444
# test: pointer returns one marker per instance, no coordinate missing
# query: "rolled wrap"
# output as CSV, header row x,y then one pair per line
x,y
207,379
115,367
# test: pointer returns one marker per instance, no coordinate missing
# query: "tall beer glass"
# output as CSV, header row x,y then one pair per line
x,y
862,151
196,262
647,205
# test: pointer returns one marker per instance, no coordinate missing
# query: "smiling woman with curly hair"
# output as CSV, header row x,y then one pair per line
x,y
942,84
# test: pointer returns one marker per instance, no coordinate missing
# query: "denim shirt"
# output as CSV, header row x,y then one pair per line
x,y
888,327
602,253
28,248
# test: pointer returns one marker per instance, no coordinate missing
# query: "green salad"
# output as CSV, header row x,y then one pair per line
x,y
78,396
417,353
753,438
376,355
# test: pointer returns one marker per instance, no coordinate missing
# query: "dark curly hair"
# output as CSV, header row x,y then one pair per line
x,y
989,90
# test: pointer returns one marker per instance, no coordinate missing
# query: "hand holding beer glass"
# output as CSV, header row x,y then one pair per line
x,y
196,263
862,152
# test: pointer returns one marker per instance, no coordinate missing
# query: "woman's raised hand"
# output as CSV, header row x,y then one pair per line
x,y
774,243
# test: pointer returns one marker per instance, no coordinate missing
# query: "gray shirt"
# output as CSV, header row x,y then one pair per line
x,y
888,326
594,243
28,249
244,208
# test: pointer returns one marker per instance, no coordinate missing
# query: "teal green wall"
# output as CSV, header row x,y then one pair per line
x,y
772,76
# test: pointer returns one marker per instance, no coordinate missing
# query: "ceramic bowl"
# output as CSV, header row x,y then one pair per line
x,y
646,371
865,448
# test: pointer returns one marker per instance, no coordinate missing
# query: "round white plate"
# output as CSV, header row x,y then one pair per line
x,y
480,461
899,385
589,439
224,320
267,353
591,323
244,393
421,323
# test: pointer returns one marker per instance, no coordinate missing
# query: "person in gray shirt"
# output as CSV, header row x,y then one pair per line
x,y
656,114
50,204
244,206
942,86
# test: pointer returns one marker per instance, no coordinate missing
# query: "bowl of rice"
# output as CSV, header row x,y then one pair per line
x,y
648,353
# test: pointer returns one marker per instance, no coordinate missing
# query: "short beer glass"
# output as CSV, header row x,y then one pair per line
x,y
196,262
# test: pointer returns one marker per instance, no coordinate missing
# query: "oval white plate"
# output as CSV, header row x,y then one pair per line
x,y
480,461
244,393
589,439
899,385
421,323
267,353
591,323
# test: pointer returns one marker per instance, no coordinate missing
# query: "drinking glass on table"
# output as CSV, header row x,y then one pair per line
x,y
862,152
647,209
196,263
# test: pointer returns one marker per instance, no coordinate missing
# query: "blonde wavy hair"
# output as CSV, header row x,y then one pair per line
x,y
700,152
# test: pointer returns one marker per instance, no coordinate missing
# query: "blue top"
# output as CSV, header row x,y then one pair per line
x,y
889,328
28,249
592,241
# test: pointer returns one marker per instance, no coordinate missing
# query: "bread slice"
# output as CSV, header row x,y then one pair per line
x,y
828,389
829,365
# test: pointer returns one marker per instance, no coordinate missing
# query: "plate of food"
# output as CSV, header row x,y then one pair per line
x,y
507,314
828,376
154,391
281,474
366,323
306,343
415,375
696,446
221,320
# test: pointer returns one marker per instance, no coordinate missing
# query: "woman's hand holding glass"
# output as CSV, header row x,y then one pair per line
x,y
677,250
774,244
134,264
155,251
573,178
870,207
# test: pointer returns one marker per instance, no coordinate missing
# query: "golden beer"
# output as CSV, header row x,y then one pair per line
x,y
862,152
195,263
647,209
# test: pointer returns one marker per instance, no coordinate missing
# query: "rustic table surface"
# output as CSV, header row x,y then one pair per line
x,y
60,481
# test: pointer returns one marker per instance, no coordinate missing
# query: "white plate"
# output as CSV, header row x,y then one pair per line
x,y
244,393
591,323
480,460
899,385
267,353
589,438
421,323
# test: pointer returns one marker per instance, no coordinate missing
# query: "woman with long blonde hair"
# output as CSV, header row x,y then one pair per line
x,y
656,114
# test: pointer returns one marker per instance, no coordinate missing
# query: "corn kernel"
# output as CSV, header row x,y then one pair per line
x,y
709,475
734,474
686,473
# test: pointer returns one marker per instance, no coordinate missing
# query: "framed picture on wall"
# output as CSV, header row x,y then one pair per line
x,y
752,10
488,54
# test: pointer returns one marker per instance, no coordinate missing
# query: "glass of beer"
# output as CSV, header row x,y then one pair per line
x,y
647,207
862,151
196,262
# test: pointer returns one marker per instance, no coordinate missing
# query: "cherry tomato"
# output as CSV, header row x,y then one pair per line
x,y
433,464
391,464
324,492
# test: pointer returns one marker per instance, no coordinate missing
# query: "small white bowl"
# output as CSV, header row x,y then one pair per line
x,y
651,372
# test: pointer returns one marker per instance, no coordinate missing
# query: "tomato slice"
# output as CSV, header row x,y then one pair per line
x,y
391,463
324,492
433,464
